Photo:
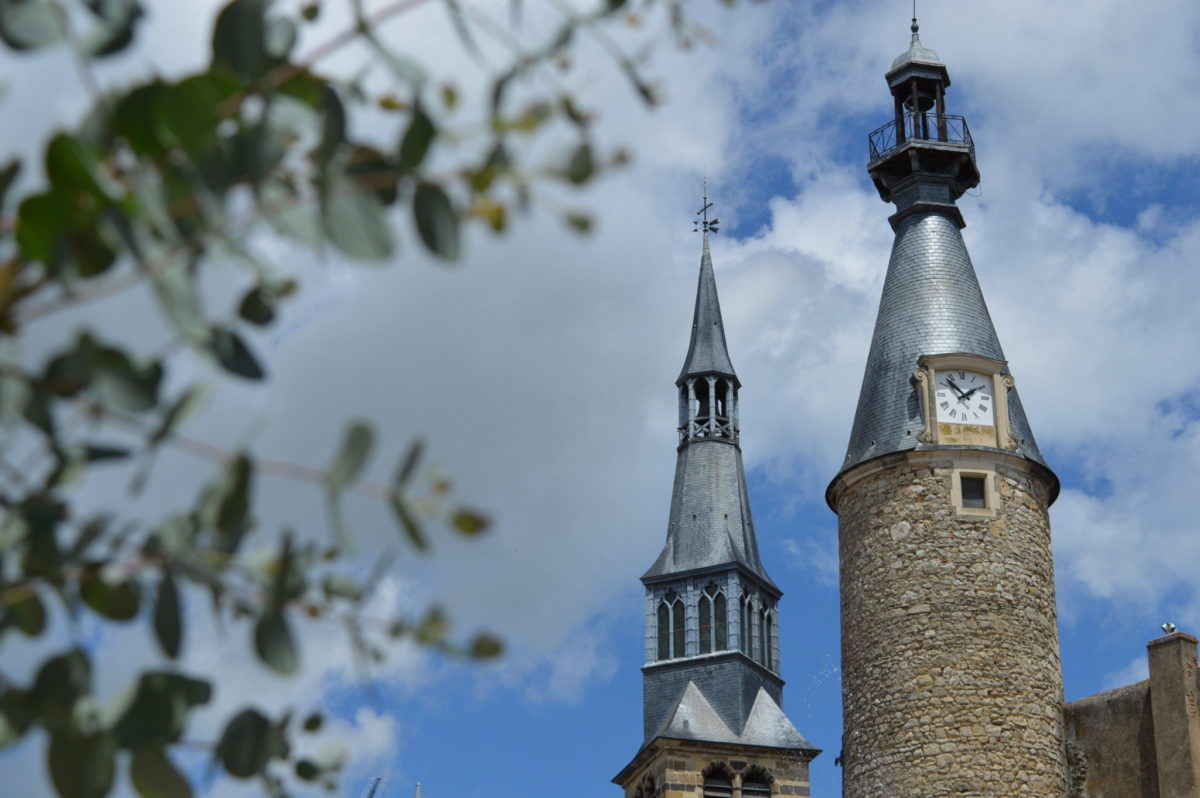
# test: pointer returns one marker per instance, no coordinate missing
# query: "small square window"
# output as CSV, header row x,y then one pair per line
x,y
973,492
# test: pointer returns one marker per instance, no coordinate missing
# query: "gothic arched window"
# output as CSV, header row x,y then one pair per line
x,y
745,618
671,637
721,626
718,781
764,645
713,622
767,647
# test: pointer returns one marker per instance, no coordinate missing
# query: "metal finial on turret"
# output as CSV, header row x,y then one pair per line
x,y
703,224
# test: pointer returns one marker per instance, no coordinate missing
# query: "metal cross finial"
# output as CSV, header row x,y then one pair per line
x,y
704,223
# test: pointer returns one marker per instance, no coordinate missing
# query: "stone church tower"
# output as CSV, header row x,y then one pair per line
x,y
951,678
713,723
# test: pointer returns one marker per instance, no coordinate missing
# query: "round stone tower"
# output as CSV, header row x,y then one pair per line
x,y
950,663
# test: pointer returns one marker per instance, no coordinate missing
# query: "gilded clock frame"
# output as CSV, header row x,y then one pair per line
x,y
997,435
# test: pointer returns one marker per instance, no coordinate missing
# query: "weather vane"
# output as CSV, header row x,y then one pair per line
x,y
703,223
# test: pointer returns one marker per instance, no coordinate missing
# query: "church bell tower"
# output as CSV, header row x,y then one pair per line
x,y
951,679
713,721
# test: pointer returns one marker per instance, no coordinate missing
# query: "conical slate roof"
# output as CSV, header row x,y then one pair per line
x,y
931,305
707,353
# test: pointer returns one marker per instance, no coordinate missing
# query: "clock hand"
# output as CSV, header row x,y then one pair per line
x,y
954,388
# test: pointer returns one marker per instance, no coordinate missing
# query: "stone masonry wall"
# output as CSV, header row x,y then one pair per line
x,y
674,769
951,677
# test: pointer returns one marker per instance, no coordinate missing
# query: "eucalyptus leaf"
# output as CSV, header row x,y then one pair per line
x,y
239,39
274,643
417,139
156,713
31,24
437,221
116,28
117,601
168,616
580,166
233,354
407,521
289,213
247,744
8,176
351,457
469,522
408,466
81,766
353,221
230,503
154,775
28,613
60,682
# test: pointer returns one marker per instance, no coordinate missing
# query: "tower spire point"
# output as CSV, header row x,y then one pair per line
x,y
704,224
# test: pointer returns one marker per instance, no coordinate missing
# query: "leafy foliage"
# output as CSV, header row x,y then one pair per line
x,y
159,180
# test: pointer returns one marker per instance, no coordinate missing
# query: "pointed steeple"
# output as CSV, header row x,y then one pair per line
x,y
710,523
707,352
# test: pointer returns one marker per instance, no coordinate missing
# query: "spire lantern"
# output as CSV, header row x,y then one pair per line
x,y
922,143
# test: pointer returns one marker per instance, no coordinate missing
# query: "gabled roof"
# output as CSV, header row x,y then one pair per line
x,y
707,352
694,718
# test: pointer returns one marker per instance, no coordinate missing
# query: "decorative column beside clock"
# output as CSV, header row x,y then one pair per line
x,y
950,669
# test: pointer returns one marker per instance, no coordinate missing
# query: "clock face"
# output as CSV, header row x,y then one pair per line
x,y
964,397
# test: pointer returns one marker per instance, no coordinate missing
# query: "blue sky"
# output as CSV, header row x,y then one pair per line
x,y
541,369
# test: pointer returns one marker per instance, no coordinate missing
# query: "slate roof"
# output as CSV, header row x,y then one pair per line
x,y
707,352
710,523
931,305
694,719
916,53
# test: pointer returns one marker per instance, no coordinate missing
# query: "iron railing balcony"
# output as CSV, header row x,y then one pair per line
x,y
938,128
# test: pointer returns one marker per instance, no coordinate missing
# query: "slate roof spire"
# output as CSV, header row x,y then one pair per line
x,y
710,523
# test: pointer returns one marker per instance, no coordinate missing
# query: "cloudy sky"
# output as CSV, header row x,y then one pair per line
x,y
540,369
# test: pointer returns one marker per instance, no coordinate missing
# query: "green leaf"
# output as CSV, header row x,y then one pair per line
x,y
28,613
168,618
408,466
407,522
239,39
469,522
134,118
351,457
484,646
288,213
353,221
81,766
228,507
306,770
154,775
118,601
16,715
60,682
41,221
72,163
275,644
580,222
437,222
31,24
313,722
581,166
176,413
232,353
279,37
258,306
188,113
417,139
155,712
248,744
